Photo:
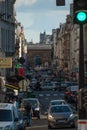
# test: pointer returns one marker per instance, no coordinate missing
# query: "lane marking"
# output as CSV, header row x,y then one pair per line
x,y
37,126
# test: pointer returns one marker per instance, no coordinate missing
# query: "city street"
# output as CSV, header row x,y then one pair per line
x,y
41,124
44,98
43,64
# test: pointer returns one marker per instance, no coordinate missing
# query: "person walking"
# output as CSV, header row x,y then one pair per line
x,y
16,105
29,113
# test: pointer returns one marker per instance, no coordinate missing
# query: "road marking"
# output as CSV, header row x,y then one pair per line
x,y
48,95
38,126
55,94
41,95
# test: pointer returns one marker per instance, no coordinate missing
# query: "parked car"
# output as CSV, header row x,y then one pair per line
x,y
35,104
60,116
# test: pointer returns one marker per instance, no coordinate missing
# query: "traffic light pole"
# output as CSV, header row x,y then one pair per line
x,y
82,121
81,59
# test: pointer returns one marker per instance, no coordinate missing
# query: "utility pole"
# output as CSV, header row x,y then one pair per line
x,y
80,18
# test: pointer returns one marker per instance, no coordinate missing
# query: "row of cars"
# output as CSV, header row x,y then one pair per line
x,y
56,85
60,114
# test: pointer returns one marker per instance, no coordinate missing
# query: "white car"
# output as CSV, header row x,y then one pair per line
x,y
8,117
48,86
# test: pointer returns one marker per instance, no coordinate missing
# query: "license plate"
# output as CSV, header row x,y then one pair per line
x,y
61,121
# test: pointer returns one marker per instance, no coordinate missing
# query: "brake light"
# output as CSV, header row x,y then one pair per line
x,y
71,95
66,92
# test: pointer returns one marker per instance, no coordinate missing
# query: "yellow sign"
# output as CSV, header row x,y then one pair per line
x,y
5,62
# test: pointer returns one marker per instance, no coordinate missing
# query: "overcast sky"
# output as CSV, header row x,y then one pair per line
x,y
40,15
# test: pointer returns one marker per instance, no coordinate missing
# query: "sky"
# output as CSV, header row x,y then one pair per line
x,y
37,16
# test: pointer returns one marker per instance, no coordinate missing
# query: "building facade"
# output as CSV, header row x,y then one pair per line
x,y
39,54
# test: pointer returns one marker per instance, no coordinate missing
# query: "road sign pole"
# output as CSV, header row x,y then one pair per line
x,y
82,121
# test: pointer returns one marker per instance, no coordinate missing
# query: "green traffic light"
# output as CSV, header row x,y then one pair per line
x,y
81,16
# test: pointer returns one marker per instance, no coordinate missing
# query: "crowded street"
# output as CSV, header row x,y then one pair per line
x,y
43,64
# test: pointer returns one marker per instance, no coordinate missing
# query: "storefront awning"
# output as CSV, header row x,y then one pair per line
x,y
12,86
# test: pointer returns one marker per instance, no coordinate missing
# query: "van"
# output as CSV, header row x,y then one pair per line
x,y
8,117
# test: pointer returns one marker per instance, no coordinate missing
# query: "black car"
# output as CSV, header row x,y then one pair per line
x,y
35,104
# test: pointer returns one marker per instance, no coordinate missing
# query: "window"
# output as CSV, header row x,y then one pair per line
x,y
5,115
58,109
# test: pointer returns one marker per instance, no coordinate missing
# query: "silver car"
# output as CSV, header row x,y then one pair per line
x,y
60,116
57,102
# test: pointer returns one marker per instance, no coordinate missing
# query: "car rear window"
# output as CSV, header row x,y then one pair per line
x,y
58,109
57,103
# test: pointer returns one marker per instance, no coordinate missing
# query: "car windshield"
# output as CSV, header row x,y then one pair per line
x,y
58,109
32,102
57,103
5,115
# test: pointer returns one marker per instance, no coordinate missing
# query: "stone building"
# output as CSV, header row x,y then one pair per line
x,y
63,43
20,41
7,39
7,31
39,54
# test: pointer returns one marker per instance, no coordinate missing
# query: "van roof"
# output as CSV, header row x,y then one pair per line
x,y
6,106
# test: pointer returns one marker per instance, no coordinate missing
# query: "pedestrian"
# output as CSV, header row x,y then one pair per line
x,y
29,113
16,105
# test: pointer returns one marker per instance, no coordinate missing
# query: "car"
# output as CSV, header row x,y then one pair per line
x,y
71,93
8,117
35,104
60,116
57,102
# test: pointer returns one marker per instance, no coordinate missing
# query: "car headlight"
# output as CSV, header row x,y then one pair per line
x,y
51,117
7,128
37,109
71,117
